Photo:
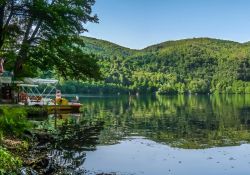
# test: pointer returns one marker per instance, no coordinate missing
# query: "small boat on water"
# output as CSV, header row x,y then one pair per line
x,y
64,106
43,93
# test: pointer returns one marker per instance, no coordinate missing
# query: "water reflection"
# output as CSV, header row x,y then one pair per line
x,y
189,122
73,136
179,121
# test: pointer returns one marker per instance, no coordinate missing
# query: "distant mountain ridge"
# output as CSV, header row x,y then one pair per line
x,y
99,46
92,40
198,65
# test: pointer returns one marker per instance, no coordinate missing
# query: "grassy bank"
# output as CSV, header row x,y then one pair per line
x,y
13,125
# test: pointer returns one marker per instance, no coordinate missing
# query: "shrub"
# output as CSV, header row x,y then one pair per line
x,y
13,121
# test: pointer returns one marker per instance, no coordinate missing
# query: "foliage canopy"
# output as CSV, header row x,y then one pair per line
x,y
44,34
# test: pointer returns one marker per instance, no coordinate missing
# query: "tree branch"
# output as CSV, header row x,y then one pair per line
x,y
27,32
10,15
2,7
35,31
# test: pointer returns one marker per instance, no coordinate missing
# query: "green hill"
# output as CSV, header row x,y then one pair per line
x,y
199,65
105,48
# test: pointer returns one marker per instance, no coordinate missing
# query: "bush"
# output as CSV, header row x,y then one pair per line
x,y
13,121
167,89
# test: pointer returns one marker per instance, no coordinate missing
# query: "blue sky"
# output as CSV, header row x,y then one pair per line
x,y
140,23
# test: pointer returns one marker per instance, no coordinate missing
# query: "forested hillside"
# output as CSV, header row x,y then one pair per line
x,y
199,65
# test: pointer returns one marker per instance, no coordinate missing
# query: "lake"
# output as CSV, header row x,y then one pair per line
x,y
154,135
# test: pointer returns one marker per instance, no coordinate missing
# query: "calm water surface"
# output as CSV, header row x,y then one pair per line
x,y
176,135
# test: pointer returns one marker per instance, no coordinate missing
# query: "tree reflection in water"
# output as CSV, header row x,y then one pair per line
x,y
190,122
72,137
180,121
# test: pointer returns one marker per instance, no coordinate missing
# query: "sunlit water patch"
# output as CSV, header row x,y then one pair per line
x,y
146,157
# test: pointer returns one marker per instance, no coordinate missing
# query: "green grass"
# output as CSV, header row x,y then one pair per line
x,y
9,163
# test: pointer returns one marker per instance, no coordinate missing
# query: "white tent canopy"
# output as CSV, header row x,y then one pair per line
x,y
31,86
27,85
40,81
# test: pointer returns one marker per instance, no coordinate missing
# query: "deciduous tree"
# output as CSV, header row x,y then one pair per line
x,y
45,35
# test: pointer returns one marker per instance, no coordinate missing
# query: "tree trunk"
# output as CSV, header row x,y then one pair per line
x,y
23,53
22,56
